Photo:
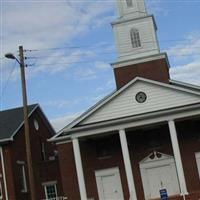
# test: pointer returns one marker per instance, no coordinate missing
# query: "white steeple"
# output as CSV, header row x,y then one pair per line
x,y
135,31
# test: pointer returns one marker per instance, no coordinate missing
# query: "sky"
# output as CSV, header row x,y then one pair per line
x,y
69,47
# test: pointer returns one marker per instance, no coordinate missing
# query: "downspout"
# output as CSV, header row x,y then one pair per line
x,y
3,171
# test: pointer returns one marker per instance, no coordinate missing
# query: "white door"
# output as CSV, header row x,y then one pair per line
x,y
109,184
162,177
158,171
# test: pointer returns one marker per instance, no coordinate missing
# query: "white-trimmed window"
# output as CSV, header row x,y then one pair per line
x,y
129,3
197,155
50,190
135,38
22,172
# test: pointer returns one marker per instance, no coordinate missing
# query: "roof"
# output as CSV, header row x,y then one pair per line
x,y
190,89
11,120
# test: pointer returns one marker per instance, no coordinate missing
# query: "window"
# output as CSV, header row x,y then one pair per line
x,y
103,148
22,176
197,155
129,3
135,38
36,124
50,190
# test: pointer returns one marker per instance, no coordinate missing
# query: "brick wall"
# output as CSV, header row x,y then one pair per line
x,y
155,70
68,171
141,144
44,170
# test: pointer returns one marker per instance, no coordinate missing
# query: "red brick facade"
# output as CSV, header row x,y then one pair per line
x,y
141,143
44,170
157,70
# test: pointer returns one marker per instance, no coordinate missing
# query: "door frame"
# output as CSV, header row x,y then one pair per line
x,y
197,156
107,172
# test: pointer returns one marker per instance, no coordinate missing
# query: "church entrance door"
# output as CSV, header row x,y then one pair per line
x,y
109,184
159,173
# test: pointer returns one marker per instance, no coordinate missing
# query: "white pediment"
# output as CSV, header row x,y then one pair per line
x,y
160,96
155,156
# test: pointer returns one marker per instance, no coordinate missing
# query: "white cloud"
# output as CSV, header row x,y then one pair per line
x,y
61,122
156,7
102,65
57,103
189,48
85,73
188,54
187,73
45,24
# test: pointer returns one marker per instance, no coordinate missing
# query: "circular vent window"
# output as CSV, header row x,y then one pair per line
x,y
141,97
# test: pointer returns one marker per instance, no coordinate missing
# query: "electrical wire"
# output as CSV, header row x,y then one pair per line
x,y
109,61
8,79
95,46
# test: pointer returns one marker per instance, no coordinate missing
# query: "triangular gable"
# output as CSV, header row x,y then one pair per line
x,y
194,97
160,96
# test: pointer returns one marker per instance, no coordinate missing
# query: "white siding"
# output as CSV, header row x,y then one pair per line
x,y
158,98
137,10
147,32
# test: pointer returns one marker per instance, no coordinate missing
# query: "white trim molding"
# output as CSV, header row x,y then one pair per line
x,y
127,164
177,156
197,156
79,169
140,60
4,173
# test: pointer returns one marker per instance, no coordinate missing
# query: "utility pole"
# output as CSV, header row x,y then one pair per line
x,y
26,126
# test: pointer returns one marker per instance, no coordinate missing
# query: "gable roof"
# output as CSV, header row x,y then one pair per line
x,y
11,121
185,85
193,94
114,95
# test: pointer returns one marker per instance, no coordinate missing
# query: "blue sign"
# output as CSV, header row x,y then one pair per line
x,y
163,194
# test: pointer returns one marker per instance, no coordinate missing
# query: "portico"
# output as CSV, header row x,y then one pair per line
x,y
126,151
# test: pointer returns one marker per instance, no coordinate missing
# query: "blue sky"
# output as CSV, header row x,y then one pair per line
x,y
72,46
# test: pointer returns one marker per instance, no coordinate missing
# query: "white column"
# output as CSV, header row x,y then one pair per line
x,y
79,169
127,163
177,156
4,173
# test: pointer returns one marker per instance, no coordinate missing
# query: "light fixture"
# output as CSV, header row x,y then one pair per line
x,y
11,56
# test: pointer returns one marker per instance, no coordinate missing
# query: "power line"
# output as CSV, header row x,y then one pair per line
x,y
71,56
95,45
8,79
65,63
90,61
106,53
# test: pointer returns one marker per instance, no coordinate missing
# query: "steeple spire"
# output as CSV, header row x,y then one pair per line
x,y
137,45
135,31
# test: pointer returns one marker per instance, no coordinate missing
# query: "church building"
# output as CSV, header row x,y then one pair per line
x,y
142,141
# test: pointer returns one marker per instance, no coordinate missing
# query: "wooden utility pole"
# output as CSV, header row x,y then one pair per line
x,y
26,126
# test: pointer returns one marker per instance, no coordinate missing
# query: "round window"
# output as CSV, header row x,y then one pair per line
x,y
141,97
